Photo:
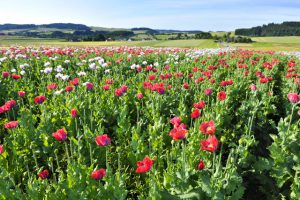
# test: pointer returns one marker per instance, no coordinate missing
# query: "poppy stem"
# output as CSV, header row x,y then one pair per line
x,y
56,157
14,117
291,118
138,113
183,161
213,165
106,157
52,169
91,155
67,152
219,163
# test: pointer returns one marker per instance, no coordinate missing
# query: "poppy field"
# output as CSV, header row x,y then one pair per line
x,y
148,123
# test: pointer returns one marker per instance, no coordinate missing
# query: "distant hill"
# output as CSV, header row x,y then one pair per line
x,y
177,31
71,26
272,29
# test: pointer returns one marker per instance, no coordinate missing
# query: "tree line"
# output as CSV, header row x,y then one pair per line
x,y
272,29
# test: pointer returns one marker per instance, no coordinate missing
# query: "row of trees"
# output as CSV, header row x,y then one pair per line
x,y
224,38
86,35
70,26
283,29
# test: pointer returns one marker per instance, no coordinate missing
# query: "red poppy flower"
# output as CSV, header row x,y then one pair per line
x,y
199,105
151,77
210,144
263,80
89,86
69,88
11,124
179,132
74,113
208,127
103,140
60,135
1,149
105,87
15,76
253,87
186,86
109,82
98,174
74,82
39,99
144,165
201,165
21,93
52,86
118,92
208,92
139,95
222,95
195,114
11,103
139,68
43,174
223,83
293,97
124,88
175,121
5,74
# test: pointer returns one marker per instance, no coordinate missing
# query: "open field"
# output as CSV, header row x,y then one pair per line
x,y
133,123
291,43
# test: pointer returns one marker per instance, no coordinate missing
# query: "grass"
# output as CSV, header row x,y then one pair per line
x,y
14,41
261,43
288,43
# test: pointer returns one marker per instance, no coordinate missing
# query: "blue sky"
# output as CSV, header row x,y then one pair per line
x,y
203,15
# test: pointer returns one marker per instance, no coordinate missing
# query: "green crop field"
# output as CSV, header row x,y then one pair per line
x,y
291,43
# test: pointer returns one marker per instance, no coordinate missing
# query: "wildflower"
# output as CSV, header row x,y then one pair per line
x,y
222,95
208,127
208,92
11,125
39,99
105,87
69,88
60,135
1,149
75,81
139,95
74,113
103,140
89,86
186,86
179,132
199,105
15,76
98,174
201,165
43,174
210,144
21,93
175,121
5,74
144,165
253,87
195,114
52,86
293,97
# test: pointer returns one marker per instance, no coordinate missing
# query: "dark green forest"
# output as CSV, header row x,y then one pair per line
x,y
272,29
